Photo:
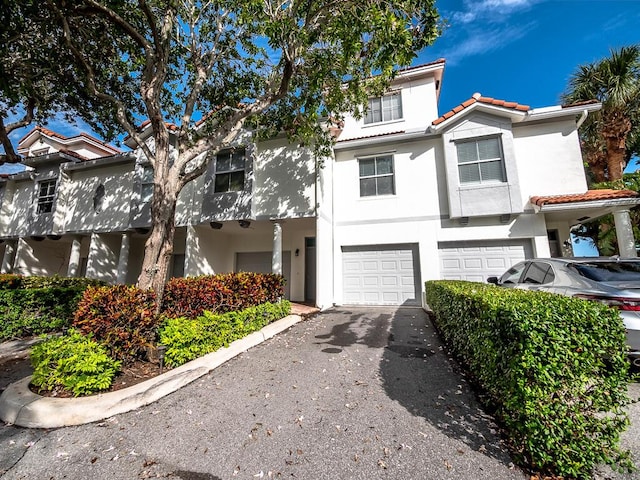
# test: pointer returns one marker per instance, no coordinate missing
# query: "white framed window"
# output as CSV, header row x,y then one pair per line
x,y
376,176
229,171
46,195
384,109
480,161
146,184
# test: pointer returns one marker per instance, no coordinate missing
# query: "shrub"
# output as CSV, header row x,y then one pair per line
x,y
120,317
190,297
10,281
187,339
73,362
34,311
554,367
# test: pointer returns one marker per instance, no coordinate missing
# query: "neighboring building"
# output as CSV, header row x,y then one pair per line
x,y
408,196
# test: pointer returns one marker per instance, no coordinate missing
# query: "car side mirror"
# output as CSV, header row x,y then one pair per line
x,y
493,280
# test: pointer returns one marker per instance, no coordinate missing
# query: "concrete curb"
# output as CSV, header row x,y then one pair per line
x,y
20,406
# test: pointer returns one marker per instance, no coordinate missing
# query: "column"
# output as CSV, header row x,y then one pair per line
x,y
74,257
123,258
9,256
624,232
276,259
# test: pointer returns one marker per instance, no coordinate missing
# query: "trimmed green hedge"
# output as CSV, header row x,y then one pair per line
x,y
11,282
36,305
554,368
187,339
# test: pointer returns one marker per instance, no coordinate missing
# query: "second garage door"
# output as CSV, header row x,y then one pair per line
x,y
381,275
477,260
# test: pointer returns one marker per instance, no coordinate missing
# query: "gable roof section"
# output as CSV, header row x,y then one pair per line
x,y
39,130
477,98
516,111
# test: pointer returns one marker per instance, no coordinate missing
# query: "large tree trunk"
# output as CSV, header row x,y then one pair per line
x,y
158,249
159,245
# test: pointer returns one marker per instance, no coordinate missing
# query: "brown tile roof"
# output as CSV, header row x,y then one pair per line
x,y
589,196
477,98
371,136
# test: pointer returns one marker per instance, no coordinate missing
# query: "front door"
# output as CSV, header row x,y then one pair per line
x,y
310,269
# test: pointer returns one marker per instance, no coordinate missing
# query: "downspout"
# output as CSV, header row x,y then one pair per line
x,y
583,117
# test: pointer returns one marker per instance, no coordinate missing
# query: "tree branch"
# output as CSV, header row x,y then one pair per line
x,y
10,155
91,86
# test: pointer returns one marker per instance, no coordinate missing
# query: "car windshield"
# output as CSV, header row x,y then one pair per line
x,y
610,271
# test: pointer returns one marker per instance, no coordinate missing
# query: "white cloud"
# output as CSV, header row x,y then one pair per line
x,y
492,11
483,26
478,41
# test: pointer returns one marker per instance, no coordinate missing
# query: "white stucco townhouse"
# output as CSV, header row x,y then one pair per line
x,y
408,196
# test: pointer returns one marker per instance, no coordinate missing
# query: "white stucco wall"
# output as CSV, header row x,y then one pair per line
x,y
549,159
283,181
46,257
416,195
79,192
419,109
104,250
22,208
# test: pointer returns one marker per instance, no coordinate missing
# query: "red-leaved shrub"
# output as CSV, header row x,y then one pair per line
x,y
120,317
189,297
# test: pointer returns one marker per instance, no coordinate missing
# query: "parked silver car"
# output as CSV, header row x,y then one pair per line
x,y
611,280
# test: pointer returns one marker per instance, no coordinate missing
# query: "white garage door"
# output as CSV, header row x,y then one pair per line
x,y
381,275
260,262
477,260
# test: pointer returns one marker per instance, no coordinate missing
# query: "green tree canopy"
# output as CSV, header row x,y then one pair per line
x,y
215,68
36,75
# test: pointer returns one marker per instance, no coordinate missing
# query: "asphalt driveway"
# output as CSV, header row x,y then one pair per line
x,y
353,393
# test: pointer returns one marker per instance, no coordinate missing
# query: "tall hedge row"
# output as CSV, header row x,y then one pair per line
x,y
554,368
36,305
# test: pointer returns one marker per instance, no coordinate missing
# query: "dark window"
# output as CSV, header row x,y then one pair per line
x,y
538,274
146,184
384,109
512,276
229,171
480,161
610,271
376,176
177,267
46,196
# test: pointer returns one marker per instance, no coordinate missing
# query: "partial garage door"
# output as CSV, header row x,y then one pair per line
x,y
477,260
381,275
260,262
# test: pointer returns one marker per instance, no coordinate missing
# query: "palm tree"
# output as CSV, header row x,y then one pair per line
x,y
615,82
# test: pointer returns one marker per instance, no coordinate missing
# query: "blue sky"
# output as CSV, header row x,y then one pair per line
x,y
517,50
526,50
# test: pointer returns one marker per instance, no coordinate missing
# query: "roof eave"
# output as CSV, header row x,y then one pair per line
x,y
362,142
566,206
515,115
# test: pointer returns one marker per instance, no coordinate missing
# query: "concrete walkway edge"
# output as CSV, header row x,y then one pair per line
x,y
20,406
